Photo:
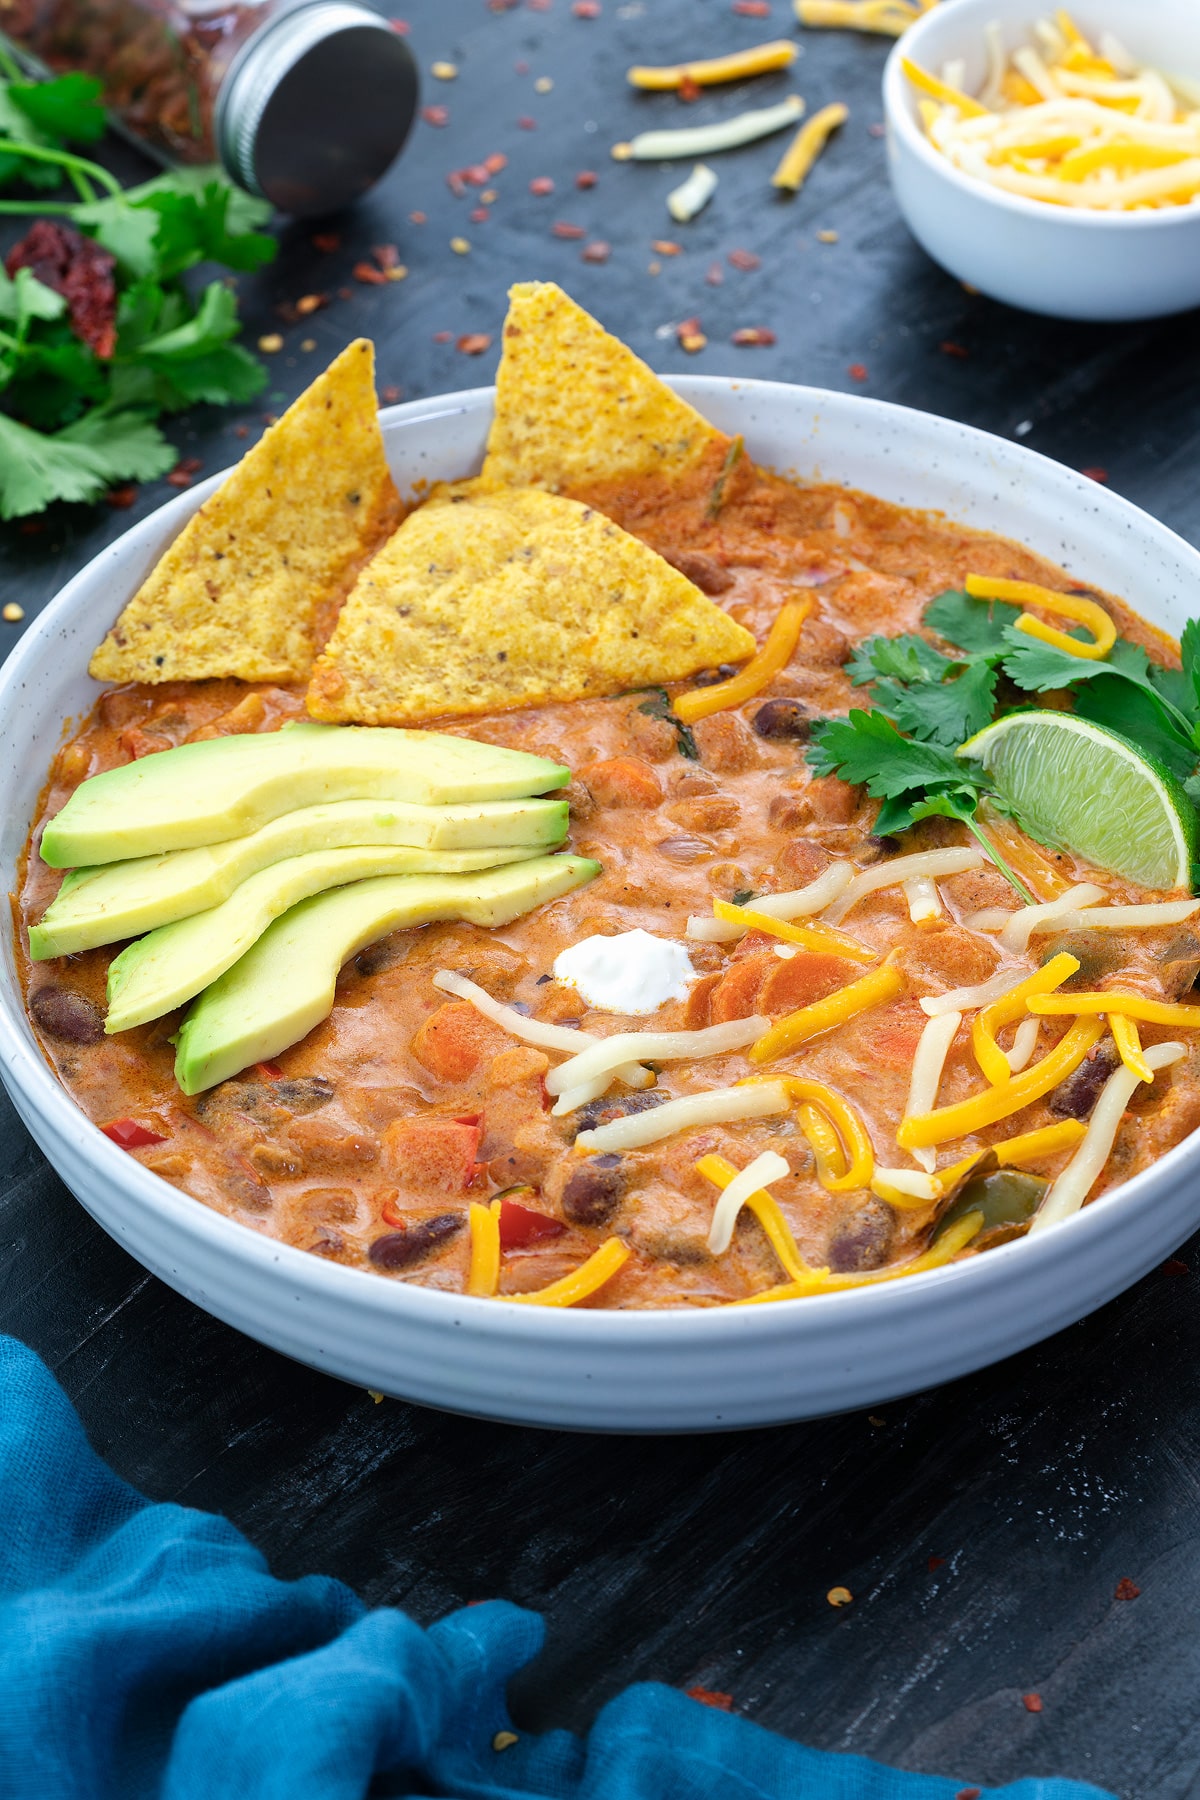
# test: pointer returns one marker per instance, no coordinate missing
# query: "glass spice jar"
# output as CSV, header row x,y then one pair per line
x,y
305,102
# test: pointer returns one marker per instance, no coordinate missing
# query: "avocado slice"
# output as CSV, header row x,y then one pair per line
x,y
285,985
121,900
166,967
224,787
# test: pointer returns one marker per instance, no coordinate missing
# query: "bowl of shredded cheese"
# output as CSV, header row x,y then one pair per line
x,y
1052,160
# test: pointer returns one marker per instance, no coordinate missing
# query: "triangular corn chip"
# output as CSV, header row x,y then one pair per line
x,y
251,584
489,598
575,407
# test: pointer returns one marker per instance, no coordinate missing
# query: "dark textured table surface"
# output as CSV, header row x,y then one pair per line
x,y
982,1528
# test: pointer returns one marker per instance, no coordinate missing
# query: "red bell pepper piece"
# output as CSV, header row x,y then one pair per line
x,y
130,1135
520,1225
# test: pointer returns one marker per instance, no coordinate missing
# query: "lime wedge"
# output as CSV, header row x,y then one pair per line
x,y
1076,786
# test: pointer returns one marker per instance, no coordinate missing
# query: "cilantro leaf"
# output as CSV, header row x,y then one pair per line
x,y
949,712
23,298
866,748
977,626
907,658
79,462
1122,692
67,107
1137,713
18,128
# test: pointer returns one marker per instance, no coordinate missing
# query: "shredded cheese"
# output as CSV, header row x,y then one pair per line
x,y
706,140
889,18
776,653
808,1022
808,937
765,1209
1129,1045
758,61
939,91
966,999
583,1281
1017,1152
483,1275
807,145
1068,1193
799,903
1024,1044
923,864
1066,606
905,1185
691,196
954,1239
531,1031
928,1064
1022,924
719,1106
604,1056
768,1167
1012,1006
1121,918
948,1122
1134,1006
924,901
839,1139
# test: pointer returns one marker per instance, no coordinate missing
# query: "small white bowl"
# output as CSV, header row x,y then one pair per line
x,y
706,1370
1047,259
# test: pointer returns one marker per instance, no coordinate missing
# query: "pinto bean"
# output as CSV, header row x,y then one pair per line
x,y
705,572
302,1093
1075,1097
693,781
70,1018
593,1191
864,1241
684,849
788,812
822,645
726,744
801,862
401,1249
783,719
655,738
609,1107
580,805
623,781
707,812
834,801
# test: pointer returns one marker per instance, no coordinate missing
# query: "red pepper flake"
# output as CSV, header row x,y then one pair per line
x,y
715,276
949,348
521,67
310,303
597,252
495,162
1032,1702
443,337
77,268
122,496
586,178
417,218
269,1071
456,181
241,431
711,1697
751,335
877,130
561,229
345,293
539,5
436,115
744,259
688,89
478,174
479,215
367,273
400,26
386,255
664,247
688,327
31,527
390,395
130,1135
390,1216
751,9
474,343
1095,474
525,123
587,9
857,371
184,472
969,1794
541,184
935,1563
1173,1266
1126,1589
327,242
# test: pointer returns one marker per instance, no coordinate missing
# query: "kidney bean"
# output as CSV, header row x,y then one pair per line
x,y
607,1108
68,1017
401,1249
1075,1097
864,1242
593,1190
783,719
303,1093
684,849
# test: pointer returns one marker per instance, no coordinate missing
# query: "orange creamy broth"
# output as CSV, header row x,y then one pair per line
x,y
364,1133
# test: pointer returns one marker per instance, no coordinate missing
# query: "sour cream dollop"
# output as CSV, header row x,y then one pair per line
x,y
634,972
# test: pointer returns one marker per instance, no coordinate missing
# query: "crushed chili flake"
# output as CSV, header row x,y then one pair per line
x,y
521,66
857,371
442,337
1095,474
1032,1702
969,1794
743,259
751,9
664,247
878,129
479,215
456,181
711,1697
184,472
390,395
688,90
752,334
586,178
688,327
241,431
474,343
525,123
122,496
478,174
949,348
541,184
597,252
345,293
386,255
367,273
562,229
400,26
269,1071
587,9
935,1563
327,242
311,303
436,115
715,276
495,162
417,218
1126,1589
1173,1266
81,271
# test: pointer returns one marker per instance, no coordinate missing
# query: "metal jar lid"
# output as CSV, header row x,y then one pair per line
x,y
316,106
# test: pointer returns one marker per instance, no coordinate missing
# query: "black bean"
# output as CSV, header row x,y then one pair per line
x,y
864,1241
710,677
1075,1097
68,1017
783,719
400,1249
608,1108
591,1194
303,1095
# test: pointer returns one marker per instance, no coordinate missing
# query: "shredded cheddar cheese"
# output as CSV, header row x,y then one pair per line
x,y
1129,1045
808,1022
1067,606
1073,1186
954,1239
949,1122
840,1141
765,1208
761,60
581,1282
776,653
1018,1152
1133,1006
809,937
941,91
1010,1007
888,18
807,145
483,1275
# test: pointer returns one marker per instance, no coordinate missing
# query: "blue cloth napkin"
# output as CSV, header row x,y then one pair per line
x,y
147,1651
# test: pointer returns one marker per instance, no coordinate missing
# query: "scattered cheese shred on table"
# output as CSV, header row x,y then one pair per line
x,y
807,145
889,18
760,60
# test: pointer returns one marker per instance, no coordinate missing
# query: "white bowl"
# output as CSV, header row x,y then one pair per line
x,y
595,1370
1071,264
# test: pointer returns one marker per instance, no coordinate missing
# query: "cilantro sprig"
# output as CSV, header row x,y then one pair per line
x,y
116,334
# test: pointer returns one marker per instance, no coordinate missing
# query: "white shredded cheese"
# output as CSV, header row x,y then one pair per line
x,y
1024,1043
907,1181
966,999
768,1167
1028,919
632,973
928,1064
703,140
1068,1193
924,901
1123,918
925,864
799,903
530,1031
719,1106
606,1055
692,195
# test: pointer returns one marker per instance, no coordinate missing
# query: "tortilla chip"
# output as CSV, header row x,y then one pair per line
x,y
250,579
489,598
574,407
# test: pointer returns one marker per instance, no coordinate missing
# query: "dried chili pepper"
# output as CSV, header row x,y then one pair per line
x,y
586,178
436,115
597,252
711,1697
541,184
474,343
744,259
857,371
561,229
1126,1589
81,271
